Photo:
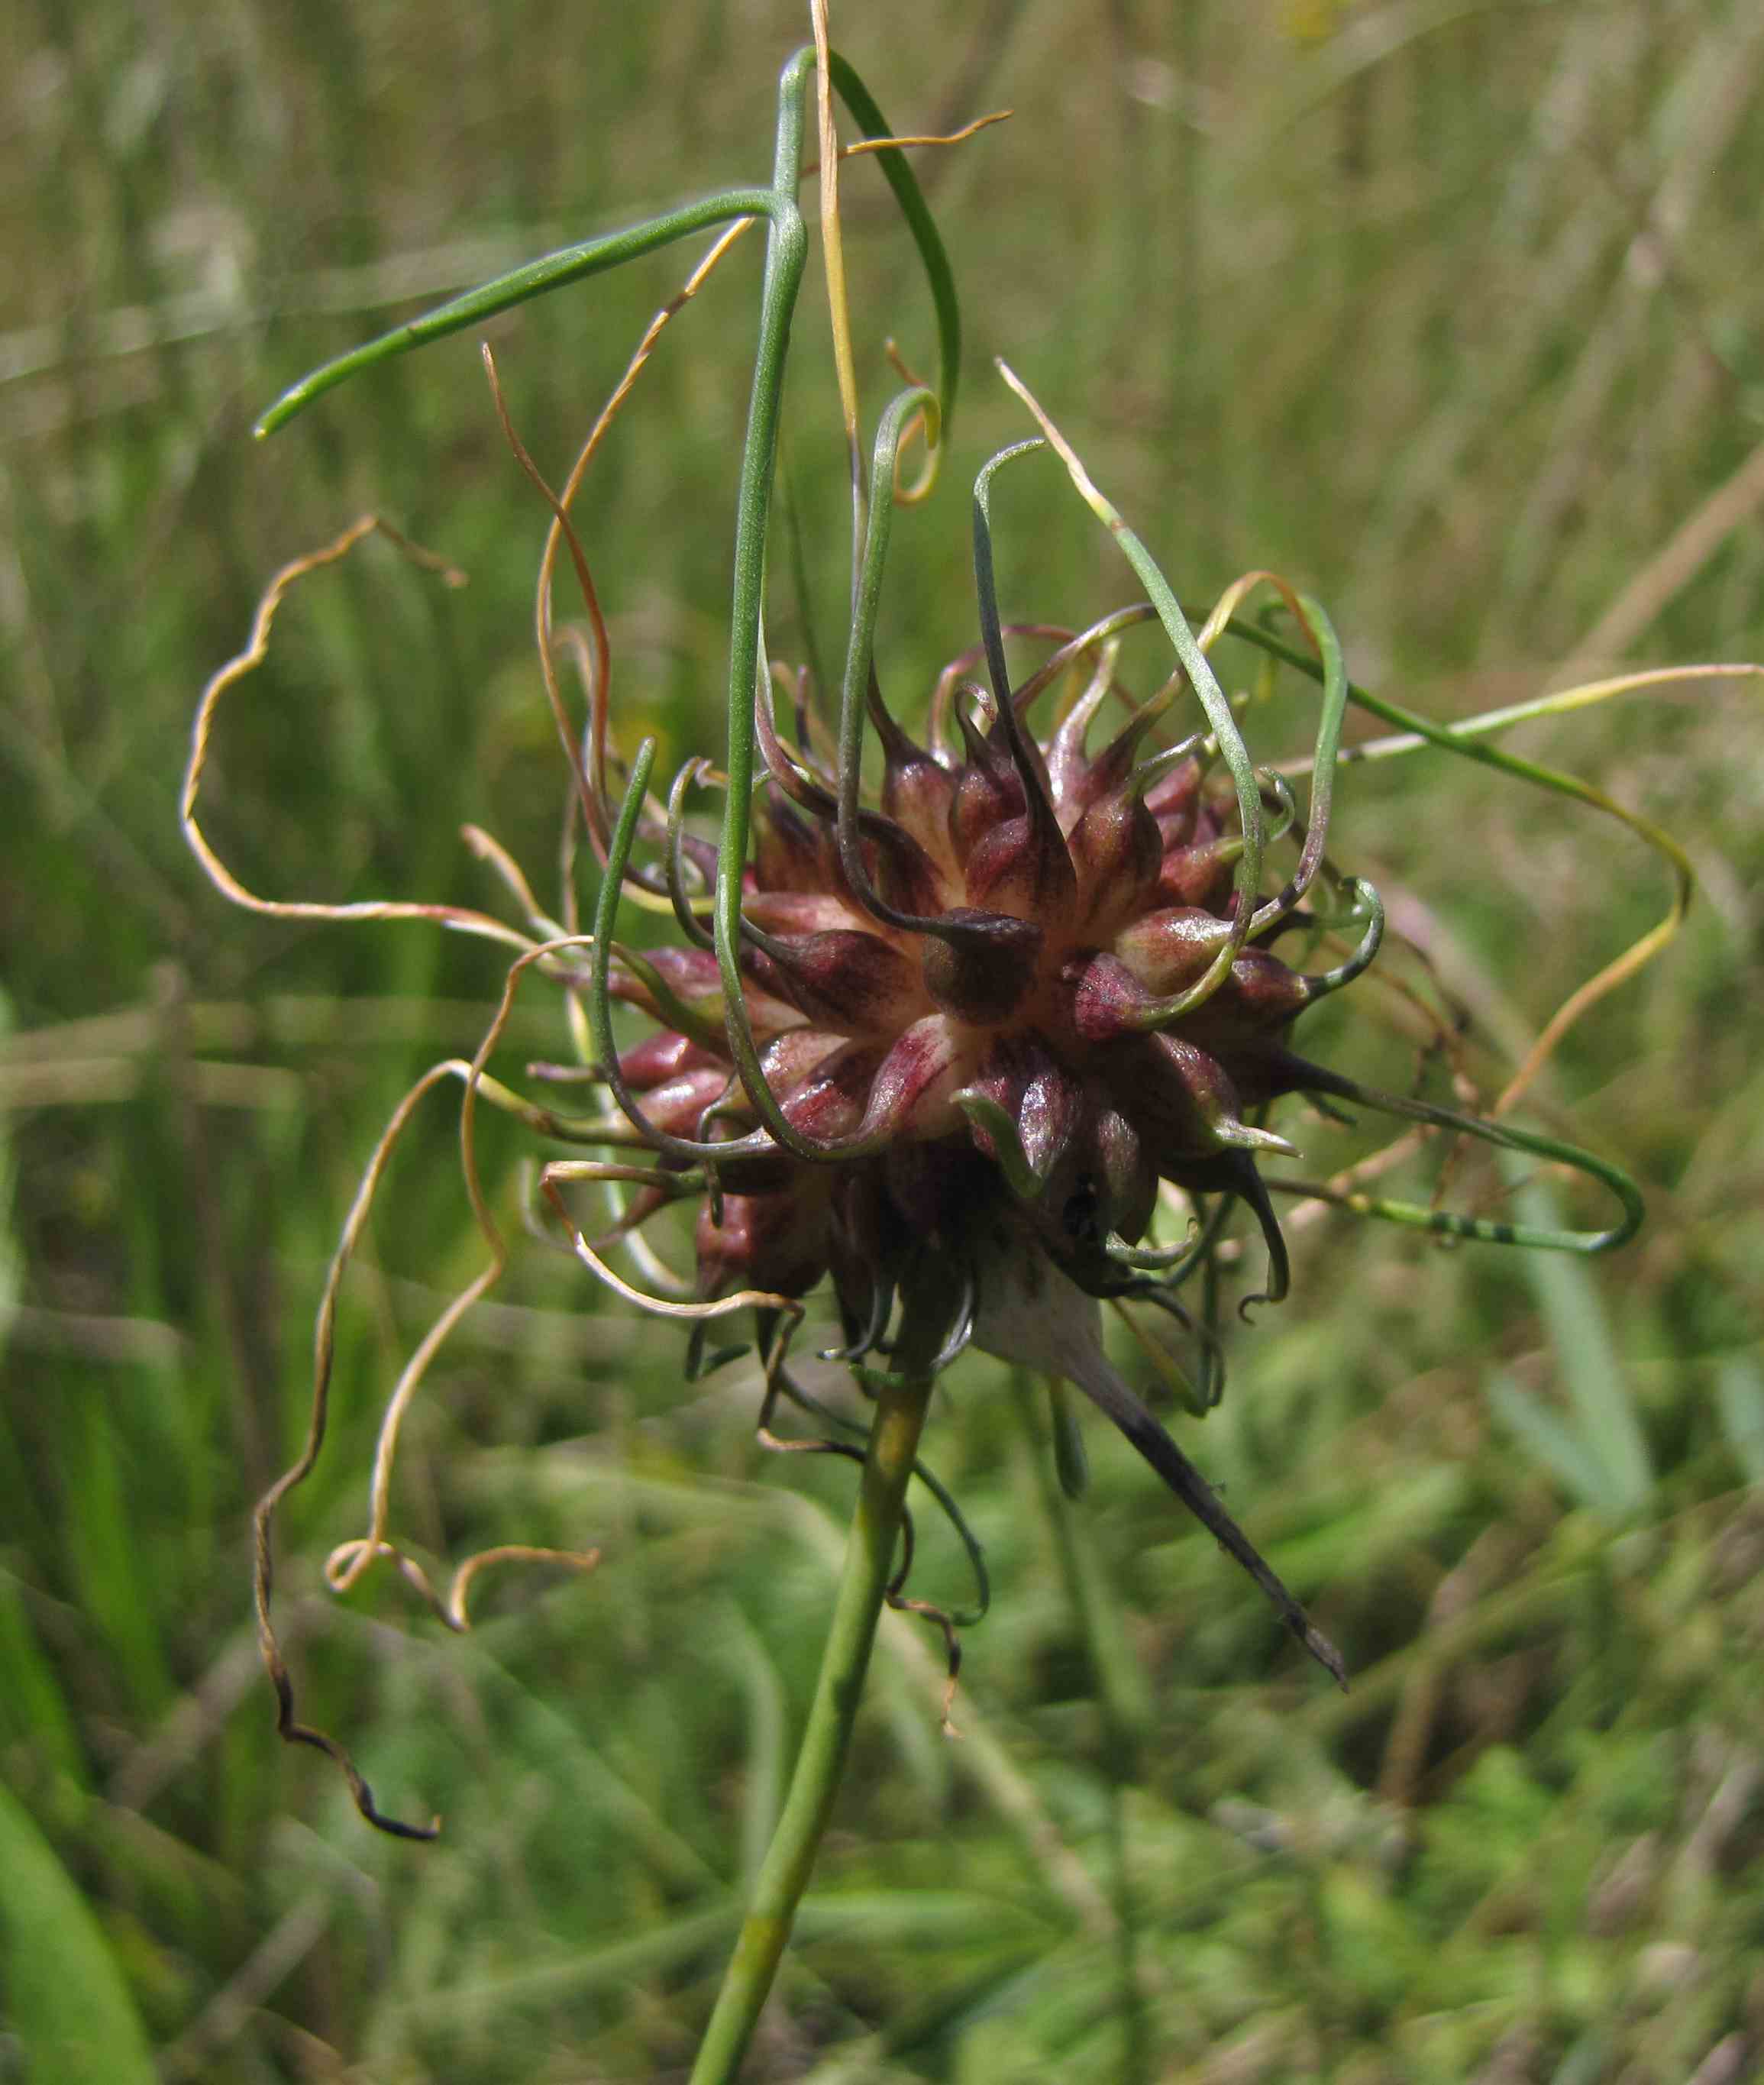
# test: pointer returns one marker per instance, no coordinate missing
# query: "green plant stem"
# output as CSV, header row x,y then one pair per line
x,y
1125,1703
1122,1691
901,1402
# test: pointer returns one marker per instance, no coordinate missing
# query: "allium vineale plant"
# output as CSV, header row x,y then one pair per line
x,y
988,1046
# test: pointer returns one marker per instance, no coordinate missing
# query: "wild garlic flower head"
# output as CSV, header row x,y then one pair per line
x,y
986,1047
999,991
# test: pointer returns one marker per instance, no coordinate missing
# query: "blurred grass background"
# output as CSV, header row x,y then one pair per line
x,y
1451,313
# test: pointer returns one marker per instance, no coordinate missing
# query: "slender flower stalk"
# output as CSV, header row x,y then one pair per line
x,y
1123,1700
903,1397
984,1052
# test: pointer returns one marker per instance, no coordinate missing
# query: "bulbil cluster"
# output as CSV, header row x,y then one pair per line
x,y
982,998
954,1046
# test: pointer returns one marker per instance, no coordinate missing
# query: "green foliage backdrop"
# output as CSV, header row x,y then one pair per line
x,y
1452,312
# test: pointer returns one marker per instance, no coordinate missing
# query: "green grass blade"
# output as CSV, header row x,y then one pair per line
x,y
1740,1392
1562,1449
1586,1356
66,1999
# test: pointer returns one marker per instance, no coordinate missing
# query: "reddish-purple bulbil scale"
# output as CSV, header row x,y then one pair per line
x,y
996,979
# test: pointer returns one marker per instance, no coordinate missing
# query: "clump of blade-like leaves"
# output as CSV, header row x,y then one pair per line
x,y
648,854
